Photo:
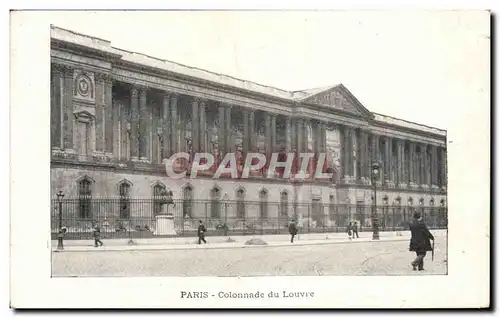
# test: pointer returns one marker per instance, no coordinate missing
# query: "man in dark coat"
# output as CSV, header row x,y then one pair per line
x,y
201,233
292,228
355,230
97,236
420,241
349,230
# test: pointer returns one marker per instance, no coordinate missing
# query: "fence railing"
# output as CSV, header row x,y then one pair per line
x,y
136,218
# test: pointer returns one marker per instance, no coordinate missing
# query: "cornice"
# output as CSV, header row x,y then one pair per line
x,y
83,50
396,128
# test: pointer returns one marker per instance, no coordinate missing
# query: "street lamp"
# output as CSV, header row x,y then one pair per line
x,y
374,217
60,196
225,199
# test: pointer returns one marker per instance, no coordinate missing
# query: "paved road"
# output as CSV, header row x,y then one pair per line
x,y
367,258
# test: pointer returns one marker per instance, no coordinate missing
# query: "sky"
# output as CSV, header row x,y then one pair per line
x,y
420,66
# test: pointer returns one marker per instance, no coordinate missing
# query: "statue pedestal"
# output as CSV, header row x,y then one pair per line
x,y
165,223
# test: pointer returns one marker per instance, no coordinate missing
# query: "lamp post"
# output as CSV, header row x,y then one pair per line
x,y
60,196
225,199
374,217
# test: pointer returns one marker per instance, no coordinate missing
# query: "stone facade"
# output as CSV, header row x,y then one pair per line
x,y
115,115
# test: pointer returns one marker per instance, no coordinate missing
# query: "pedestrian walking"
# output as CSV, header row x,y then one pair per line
x,y
201,232
349,230
355,230
292,228
420,241
97,236
60,236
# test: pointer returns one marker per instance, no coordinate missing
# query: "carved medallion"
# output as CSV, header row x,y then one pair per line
x,y
83,86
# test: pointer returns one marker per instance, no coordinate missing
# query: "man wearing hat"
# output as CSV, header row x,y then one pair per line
x,y
292,228
201,232
420,241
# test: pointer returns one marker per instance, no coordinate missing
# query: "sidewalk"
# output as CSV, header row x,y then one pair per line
x,y
221,242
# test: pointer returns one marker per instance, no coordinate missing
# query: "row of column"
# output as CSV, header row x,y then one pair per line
x,y
357,152
295,130
404,168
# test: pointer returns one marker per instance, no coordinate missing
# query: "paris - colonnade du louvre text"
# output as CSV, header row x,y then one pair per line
x,y
115,115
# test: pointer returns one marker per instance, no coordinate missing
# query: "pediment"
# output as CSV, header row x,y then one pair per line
x,y
339,97
83,116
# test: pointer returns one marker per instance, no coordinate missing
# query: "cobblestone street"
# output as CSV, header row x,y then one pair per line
x,y
351,258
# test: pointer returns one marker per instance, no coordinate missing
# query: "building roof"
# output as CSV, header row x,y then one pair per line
x,y
105,46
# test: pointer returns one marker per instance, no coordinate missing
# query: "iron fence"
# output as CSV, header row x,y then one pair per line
x,y
136,218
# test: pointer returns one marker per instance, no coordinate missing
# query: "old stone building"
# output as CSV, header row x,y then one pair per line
x,y
116,114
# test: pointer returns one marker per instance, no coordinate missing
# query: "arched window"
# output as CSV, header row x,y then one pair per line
x,y
240,203
284,203
187,202
215,204
158,188
124,190
263,203
85,198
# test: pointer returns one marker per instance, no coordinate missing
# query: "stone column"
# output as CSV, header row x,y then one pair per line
x,y
56,103
221,138
400,163
228,130
387,161
167,150
323,137
251,130
203,126
375,157
116,129
68,110
352,162
267,134
246,133
344,139
418,166
288,135
195,127
362,156
108,116
300,138
443,166
305,132
134,123
100,113
423,166
393,161
434,168
411,163
316,129
143,122
174,129
293,130
368,160
273,133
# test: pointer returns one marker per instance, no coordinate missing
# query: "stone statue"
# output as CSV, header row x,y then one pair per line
x,y
165,200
